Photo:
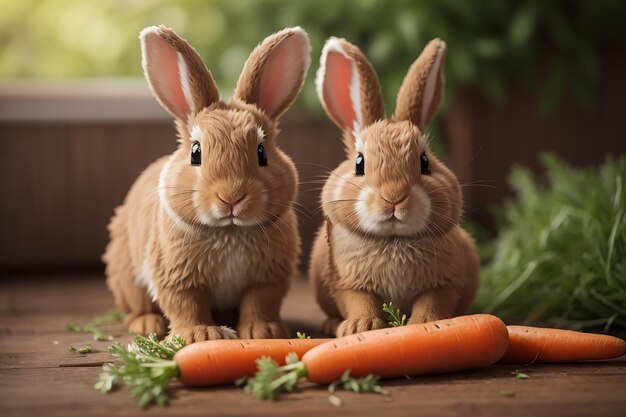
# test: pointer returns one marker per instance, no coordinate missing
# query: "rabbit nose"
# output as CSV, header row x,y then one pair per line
x,y
395,202
233,203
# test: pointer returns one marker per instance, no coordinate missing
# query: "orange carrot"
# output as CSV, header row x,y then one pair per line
x,y
216,362
534,344
436,347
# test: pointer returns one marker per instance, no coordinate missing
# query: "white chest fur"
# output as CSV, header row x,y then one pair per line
x,y
396,270
232,275
230,261
219,262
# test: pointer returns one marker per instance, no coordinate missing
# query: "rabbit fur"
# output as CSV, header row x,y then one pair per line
x,y
193,240
391,232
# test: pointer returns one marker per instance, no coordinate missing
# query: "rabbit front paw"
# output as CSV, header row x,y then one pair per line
x,y
148,323
262,330
358,325
200,333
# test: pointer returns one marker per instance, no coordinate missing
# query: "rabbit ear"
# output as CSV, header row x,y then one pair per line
x,y
422,89
274,73
176,73
348,87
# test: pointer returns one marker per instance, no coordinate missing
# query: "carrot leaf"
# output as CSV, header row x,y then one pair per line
x,y
151,346
146,366
368,383
271,378
396,318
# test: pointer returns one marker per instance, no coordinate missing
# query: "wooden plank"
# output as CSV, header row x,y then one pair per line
x,y
33,313
61,182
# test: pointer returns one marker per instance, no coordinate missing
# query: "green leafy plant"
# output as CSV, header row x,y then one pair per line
x,y
302,335
146,366
560,256
396,318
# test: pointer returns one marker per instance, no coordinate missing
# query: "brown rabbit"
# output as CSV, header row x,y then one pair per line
x,y
392,209
211,227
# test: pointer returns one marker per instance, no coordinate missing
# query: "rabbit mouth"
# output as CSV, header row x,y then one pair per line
x,y
392,221
395,226
213,217
232,220
405,220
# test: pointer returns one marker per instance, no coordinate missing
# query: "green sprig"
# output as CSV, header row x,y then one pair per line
x,y
271,378
368,383
111,317
98,335
302,335
396,318
147,367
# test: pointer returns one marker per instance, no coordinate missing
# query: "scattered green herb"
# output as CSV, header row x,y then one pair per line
x,y
302,335
146,366
396,318
98,335
113,316
366,384
507,393
520,375
84,349
271,379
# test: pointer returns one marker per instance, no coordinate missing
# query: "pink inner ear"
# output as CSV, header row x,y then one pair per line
x,y
164,74
282,75
336,89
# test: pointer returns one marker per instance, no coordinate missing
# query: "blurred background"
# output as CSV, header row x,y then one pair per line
x,y
78,124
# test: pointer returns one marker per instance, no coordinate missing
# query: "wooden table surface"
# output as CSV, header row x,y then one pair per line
x,y
40,377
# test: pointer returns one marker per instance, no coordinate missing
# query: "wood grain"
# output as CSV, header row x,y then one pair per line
x,y
40,377
61,182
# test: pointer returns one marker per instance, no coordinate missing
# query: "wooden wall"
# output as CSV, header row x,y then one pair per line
x,y
61,179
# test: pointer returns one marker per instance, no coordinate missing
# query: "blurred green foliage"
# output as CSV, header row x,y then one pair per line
x,y
491,42
560,255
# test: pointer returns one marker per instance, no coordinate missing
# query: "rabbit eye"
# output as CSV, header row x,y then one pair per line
x,y
196,154
262,155
360,165
425,164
